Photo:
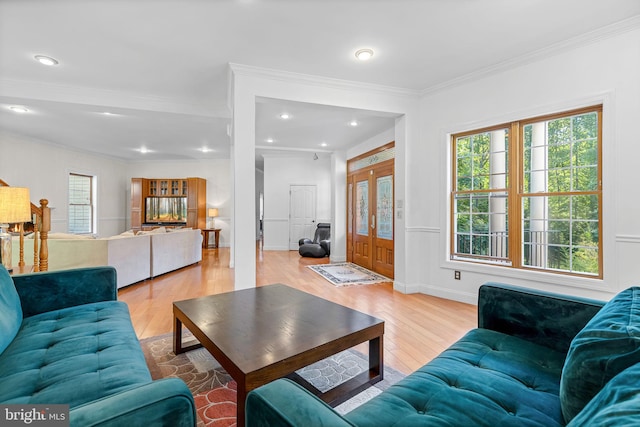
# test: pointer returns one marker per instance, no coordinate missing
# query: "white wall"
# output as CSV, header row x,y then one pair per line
x,y
280,173
249,83
605,71
45,168
372,143
215,171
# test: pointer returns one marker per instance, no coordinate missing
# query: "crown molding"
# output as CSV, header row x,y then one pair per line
x,y
71,94
286,150
328,82
590,37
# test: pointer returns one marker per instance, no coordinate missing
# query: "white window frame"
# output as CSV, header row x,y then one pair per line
x,y
92,204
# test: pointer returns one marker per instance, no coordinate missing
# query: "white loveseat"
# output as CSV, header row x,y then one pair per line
x,y
135,257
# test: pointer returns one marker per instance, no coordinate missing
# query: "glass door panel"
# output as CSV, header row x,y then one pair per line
x,y
384,207
362,208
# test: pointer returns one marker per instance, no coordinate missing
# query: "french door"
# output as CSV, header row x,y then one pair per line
x,y
370,225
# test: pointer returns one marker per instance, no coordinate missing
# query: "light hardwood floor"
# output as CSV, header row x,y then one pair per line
x,y
417,327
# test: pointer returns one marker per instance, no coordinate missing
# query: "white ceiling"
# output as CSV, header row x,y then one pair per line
x,y
161,66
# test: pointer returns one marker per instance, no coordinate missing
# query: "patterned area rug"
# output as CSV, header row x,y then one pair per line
x,y
346,273
215,391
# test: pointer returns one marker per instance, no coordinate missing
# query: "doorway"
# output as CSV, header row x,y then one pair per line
x,y
370,220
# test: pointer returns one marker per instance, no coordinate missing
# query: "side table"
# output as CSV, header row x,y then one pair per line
x,y
205,237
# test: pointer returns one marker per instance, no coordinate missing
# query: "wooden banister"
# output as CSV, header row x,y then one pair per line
x,y
42,226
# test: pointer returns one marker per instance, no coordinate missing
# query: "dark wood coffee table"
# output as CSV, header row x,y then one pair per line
x,y
268,332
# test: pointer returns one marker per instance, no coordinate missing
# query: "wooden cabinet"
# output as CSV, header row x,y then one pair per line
x,y
196,203
137,200
166,187
194,189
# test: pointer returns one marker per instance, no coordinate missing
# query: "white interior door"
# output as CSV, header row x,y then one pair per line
x,y
302,213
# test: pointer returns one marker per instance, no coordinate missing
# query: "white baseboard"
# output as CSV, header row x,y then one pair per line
x,y
436,291
455,295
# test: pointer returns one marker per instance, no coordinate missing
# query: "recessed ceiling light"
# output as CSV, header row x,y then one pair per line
x,y
18,109
206,149
364,54
285,116
46,60
324,144
353,123
270,140
144,150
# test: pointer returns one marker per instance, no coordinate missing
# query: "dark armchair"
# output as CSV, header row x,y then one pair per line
x,y
320,246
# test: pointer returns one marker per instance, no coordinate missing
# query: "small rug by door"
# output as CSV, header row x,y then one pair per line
x,y
215,391
346,273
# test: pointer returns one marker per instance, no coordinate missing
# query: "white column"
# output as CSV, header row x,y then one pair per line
x,y
538,205
498,179
339,207
244,164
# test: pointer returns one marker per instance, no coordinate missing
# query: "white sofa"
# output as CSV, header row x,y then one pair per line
x,y
134,257
175,249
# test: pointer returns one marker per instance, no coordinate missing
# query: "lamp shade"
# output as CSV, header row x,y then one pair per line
x,y
15,205
213,212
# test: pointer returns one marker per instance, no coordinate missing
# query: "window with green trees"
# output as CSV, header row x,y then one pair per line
x,y
528,194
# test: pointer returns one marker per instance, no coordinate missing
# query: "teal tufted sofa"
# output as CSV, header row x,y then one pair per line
x,y
536,359
64,339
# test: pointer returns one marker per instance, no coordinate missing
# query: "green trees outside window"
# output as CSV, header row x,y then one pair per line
x,y
528,194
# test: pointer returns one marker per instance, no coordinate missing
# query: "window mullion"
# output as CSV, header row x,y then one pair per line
x,y
516,167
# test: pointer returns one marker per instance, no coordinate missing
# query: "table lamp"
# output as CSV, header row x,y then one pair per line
x,y
213,212
15,207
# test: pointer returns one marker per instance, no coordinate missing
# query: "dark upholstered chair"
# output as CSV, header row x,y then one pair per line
x,y
321,244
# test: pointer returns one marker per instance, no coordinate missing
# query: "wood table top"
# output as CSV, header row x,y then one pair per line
x,y
257,327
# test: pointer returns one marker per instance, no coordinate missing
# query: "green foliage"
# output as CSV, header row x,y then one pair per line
x,y
559,231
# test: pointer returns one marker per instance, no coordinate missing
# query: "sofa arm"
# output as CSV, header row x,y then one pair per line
x,y
304,241
326,245
285,403
548,319
53,290
166,402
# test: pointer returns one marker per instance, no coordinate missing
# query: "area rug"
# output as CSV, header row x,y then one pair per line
x,y
214,390
346,273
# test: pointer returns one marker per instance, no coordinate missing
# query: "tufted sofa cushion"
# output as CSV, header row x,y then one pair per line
x,y
73,356
606,346
486,378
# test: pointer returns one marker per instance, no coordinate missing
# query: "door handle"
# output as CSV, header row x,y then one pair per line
x,y
373,222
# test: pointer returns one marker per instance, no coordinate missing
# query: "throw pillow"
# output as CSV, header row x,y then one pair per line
x,y
606,346
10,310
617,404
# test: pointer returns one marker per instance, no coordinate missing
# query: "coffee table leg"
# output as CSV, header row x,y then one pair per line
x,y
241,397
177,335
376,370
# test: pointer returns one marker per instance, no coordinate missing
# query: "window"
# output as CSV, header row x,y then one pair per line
x,y
528,194
81,204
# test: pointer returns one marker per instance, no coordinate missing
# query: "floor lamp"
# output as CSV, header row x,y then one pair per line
x,y
15,208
